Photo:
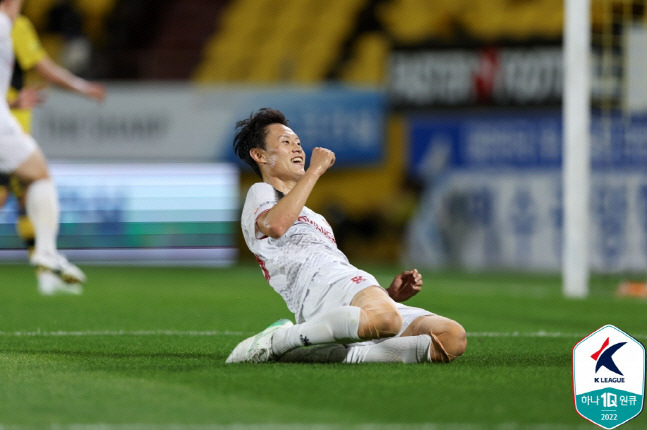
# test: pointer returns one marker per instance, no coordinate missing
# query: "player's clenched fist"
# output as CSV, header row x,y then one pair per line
x,y
321,160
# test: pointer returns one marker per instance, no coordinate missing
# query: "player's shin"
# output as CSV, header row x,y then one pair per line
x,y
43,210
409,349
337,326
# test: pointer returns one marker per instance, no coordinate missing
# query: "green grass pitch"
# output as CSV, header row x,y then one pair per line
x,y
144,348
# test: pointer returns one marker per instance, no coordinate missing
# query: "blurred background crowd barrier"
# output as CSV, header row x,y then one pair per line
x,y
445,116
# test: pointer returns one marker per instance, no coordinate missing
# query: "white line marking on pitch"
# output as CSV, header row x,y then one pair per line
x,y
215,333
121,333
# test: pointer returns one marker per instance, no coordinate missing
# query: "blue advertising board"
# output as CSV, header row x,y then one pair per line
x,y
153,214
523,140
349,122
493,196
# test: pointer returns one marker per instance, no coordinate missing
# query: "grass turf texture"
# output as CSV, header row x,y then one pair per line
x,y
146,347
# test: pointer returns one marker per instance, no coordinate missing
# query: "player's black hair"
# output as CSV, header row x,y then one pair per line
x,y
251,132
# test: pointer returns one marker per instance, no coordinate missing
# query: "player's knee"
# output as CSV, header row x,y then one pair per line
x,y
453,340
376,325
389,323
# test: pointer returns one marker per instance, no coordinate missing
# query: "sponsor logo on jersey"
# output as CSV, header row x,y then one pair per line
x,y
320,229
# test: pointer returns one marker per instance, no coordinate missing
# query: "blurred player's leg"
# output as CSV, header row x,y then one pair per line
x,y
43,210
24,226
4,189
49,283
41,203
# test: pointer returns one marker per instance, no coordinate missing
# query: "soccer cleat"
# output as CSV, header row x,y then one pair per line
x,y
50,284
58,264
258,349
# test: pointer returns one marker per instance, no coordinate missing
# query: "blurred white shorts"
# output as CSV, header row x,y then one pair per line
x,y
15,148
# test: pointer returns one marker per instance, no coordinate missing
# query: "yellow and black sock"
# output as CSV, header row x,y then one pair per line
x,y
24,227
4,188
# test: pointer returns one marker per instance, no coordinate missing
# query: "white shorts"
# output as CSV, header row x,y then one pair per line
x,y
325,294
15,148
336,287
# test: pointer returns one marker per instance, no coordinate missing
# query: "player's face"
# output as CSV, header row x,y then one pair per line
x,y
283,153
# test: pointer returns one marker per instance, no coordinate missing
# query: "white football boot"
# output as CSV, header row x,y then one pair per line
x,y
50,284
58,264
258,349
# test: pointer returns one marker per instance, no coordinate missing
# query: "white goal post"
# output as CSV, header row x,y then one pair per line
x,y
576,147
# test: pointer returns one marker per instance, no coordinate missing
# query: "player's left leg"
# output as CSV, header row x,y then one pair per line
x,y
42,207
424,338
448,340
410,349
24,226
4,189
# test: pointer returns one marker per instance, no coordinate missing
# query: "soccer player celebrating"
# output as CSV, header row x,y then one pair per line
x,y
21,156
340,310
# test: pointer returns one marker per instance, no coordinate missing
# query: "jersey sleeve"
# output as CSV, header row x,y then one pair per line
x,y
26,44
261,197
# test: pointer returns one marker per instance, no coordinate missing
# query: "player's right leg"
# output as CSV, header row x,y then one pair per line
x,y
335,326
41,202
371,315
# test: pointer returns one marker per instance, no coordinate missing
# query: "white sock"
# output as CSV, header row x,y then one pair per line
x,y
43,212
337,326
408,349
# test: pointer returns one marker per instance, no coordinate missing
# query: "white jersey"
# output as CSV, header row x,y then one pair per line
x,y
6,61
293,262
15,144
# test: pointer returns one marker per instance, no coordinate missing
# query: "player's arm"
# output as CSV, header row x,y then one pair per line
x,y
62,77
405,285
28,98
12,8
276,221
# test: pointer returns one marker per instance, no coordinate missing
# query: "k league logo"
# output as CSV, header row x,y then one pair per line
x,y
609,377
